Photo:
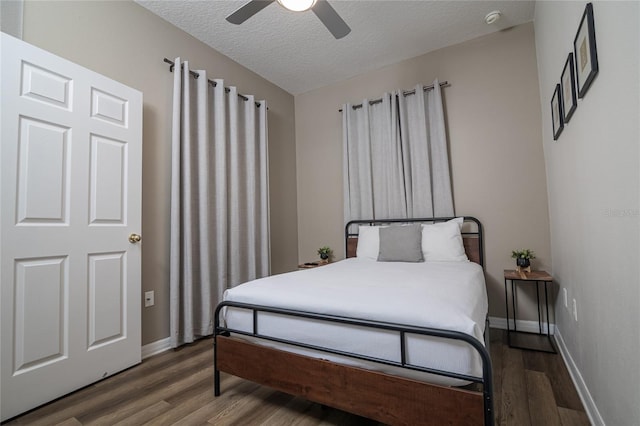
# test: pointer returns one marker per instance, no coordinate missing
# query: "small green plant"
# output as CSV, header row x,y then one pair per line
x,y
325,252
523,254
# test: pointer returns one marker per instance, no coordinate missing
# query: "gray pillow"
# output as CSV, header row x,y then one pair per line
x,y
401,244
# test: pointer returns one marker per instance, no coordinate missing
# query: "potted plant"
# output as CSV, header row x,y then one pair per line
x,y
523,257
325,253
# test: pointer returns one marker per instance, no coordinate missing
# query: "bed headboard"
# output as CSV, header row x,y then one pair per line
x,y
471,234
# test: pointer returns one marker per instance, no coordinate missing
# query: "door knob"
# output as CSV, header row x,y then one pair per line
x,y
134,238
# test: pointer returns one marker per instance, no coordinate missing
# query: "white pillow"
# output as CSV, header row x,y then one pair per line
x,y
368,242
443,241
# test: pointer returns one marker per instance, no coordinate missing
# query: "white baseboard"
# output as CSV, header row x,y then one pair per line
x,y
585,396
156,347
523,325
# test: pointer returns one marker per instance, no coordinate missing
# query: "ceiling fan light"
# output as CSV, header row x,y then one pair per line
x,y
297,5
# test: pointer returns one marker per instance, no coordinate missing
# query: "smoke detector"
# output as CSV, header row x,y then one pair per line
x,y
492,17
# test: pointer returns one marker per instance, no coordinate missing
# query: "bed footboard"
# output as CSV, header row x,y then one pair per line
x,y
379,396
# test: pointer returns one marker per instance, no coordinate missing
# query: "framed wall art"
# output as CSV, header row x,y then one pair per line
x,y
585,52
568,86
556,112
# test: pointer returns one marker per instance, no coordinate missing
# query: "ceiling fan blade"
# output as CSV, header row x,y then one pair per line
x,y
331,19
248,10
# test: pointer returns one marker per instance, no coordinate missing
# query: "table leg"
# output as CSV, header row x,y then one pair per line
x,y
539,307
506,305
546,302
513,302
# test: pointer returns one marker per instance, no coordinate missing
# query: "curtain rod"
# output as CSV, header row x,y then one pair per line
x,y
404,93
211,82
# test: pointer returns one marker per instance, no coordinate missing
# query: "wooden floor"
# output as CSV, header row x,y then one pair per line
x,y
175,387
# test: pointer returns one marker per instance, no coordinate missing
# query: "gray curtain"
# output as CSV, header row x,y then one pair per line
x,y
219,199
396,162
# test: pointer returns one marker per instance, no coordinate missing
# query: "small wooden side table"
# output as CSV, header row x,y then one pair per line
x,y
314,264
521,339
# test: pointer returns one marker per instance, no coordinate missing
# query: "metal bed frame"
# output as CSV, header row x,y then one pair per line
x,y
476,255
222,334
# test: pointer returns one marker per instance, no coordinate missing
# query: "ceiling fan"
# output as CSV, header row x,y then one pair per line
x,y
323,10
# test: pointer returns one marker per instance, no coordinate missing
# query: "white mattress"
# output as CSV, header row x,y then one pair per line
x,y
445,295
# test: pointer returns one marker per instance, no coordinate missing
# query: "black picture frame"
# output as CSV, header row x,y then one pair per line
x,y
585,52
568,88
556,113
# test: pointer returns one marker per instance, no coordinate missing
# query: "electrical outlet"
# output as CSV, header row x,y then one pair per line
x,y
149,298
575,310
566,298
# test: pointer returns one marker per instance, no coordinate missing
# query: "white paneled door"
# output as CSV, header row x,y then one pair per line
x,y
71,157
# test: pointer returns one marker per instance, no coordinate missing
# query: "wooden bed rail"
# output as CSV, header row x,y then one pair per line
x,y
385,398
379,396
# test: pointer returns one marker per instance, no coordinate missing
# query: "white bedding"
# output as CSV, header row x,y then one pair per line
x,y
446,295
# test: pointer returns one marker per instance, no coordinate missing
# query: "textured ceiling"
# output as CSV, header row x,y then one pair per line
x,y
296,52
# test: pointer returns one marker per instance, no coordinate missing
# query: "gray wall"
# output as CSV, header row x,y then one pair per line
x,y
594,188
495,141
126,42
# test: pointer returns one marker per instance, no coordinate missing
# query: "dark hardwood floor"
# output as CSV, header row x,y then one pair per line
x,y
175,387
